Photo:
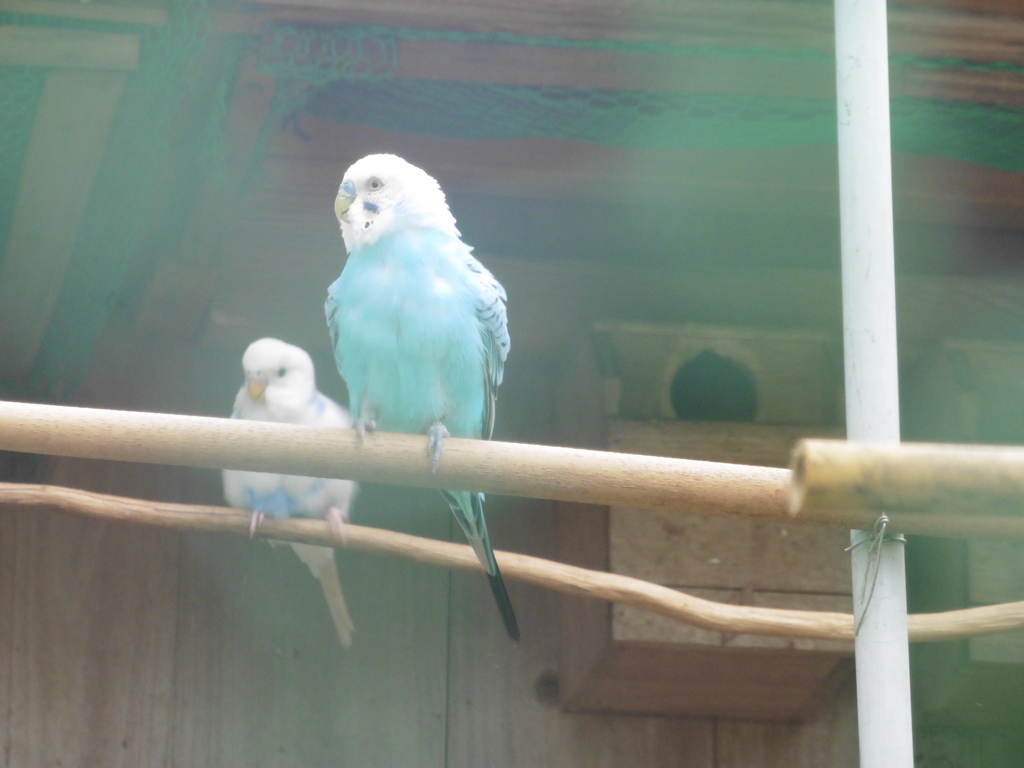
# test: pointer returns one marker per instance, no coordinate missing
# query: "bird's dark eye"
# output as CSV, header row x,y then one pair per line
x,y
282,371
375,183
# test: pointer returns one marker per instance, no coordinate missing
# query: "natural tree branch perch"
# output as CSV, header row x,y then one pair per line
x,y
533,570
565,474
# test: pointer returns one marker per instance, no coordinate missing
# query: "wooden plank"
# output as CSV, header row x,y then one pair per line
x,y
780,181
553,310
943,34
748,684
684,550
751,74
1000,7
794,375
754,444
148,12
8,536
152,12
982,87
829,738
692,551
93,628
502,700
797,77
261,679
217,202
67,48
775,25
584,625
67,143
158,337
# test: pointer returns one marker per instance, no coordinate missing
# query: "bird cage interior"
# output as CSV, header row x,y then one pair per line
x,y
652,191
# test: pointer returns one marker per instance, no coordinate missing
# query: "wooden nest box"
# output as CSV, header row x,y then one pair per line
x,y
718,394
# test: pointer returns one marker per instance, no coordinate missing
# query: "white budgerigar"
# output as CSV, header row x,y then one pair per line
x,y
280,385
419,326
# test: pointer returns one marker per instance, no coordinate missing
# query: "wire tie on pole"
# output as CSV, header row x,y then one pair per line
x,y
878,537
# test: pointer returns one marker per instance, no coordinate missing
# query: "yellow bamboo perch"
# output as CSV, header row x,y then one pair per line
x,y
569,579
978,488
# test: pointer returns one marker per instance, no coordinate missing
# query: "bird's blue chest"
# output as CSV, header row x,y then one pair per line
x,y
408,340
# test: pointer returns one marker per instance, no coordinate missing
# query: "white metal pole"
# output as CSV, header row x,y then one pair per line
x,y
872,394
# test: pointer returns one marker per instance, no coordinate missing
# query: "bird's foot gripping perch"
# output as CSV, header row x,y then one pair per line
x,y
363,426
337,519
435,441
255,522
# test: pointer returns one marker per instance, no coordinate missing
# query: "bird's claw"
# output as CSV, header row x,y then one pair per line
x,y
254,522
337,521
363,426
435,440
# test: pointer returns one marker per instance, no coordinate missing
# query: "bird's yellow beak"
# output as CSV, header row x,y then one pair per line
x,y
346,196
256,389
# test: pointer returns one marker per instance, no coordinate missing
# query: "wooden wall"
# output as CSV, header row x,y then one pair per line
x,y
136,647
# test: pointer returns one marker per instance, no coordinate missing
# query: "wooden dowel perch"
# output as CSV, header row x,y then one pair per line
x,y
978,488
532,570
563,474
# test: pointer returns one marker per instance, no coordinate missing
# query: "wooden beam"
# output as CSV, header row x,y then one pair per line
x,y
944,34
774,25
247,113
152,13
1001,7
770,180
754,75
159,337
67,143
991,87
533,65
69,48
779,26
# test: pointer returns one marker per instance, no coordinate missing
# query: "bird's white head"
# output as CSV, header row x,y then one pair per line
x,y
381,194
278,377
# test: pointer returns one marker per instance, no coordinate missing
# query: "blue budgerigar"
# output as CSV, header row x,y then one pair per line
x,y
280,385
418,325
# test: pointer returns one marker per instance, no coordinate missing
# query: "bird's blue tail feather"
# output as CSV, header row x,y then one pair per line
x,y
468,508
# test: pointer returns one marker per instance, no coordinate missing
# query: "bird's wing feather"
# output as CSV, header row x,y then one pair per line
x,y
490,311
331,307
